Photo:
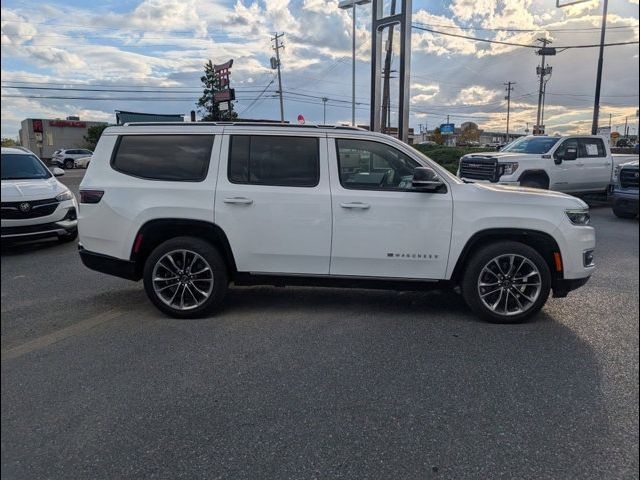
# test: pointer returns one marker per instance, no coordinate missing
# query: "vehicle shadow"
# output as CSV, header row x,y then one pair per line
x,y
285,382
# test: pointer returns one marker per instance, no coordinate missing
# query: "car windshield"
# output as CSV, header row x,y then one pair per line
x,y
531,145
23,167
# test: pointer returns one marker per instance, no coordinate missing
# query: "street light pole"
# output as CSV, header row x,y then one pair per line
x,y
343,5
596,103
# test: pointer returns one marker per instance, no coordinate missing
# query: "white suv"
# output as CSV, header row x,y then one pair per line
x,y
67,158
34,203
190,208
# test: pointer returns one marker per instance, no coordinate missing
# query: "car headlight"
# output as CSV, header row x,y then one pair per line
x,y
66,195
579,216
509,168
616,173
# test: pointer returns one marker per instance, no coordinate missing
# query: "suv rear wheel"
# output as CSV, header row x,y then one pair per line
x,y
68,164
506,282
186,277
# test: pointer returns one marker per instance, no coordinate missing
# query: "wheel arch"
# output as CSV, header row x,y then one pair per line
x,y
537,173
540,241
156,231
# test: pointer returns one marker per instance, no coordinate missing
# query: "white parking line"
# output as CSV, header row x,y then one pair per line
x,y
58,335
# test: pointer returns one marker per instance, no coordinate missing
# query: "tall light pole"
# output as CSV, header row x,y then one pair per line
x,y
344,5
596,103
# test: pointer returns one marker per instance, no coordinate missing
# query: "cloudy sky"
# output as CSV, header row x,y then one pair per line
x,y
148,56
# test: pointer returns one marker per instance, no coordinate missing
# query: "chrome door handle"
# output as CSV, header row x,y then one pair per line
x,y
356,205
238,201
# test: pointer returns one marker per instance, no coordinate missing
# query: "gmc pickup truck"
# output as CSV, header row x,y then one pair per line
x,y
571,164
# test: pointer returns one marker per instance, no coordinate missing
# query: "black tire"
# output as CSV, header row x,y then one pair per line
x,y
217,266
624,213
473,270
68,164
69,237
535,182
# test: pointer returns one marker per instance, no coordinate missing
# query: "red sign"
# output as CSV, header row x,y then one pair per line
x,y
224,95
37,126
301,119
67,123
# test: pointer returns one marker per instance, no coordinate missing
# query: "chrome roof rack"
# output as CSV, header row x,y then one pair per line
x,y
241,124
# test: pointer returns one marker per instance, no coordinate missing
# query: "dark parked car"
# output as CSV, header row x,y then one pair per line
x,y
625,191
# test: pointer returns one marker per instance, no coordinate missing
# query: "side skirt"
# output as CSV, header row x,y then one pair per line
x,y
329,281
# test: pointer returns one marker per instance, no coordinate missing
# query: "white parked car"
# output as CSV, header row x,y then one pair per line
x,y
190,208
572,164
34,203
65,158
82,162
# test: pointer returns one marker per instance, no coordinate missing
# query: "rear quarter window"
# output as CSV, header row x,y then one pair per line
x,y
179,158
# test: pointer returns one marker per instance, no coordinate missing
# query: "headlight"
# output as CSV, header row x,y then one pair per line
x,y
66,195
579,216
616,173
509,168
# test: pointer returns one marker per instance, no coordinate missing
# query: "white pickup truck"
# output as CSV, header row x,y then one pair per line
x,y
571,164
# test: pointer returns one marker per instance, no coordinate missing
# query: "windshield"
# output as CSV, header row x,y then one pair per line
x,y
23,167
531,145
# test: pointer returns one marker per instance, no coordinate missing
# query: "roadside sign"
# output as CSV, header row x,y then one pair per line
x,y
447,128
301,119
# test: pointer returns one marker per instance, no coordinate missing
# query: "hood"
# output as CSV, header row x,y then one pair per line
x,y
522,194
506,156
630,164
37,189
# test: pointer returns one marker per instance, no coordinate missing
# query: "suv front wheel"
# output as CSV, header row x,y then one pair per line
x,y
506,282
186,277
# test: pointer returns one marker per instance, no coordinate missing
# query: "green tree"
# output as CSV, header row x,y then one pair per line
x,y
206,106
437,136
8,142
93,135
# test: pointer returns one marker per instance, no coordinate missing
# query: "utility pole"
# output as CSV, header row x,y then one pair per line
x,y
542,71
508,99
596,103
324,110
277,48
609,123
447,118
386,85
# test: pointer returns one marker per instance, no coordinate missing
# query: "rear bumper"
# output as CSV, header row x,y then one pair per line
x,y
109,265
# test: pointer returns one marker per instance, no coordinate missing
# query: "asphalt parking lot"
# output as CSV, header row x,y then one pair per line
x,y
315,383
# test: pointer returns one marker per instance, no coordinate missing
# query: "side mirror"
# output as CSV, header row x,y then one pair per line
x,y
57,172
570,153
426,180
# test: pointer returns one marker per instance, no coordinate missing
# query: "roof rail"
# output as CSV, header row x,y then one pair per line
x,y
248,124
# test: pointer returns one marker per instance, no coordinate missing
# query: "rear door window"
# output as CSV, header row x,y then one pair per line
x,y
591,147
274,160
179,158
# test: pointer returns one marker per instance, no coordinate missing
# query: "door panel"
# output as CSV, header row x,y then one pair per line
x,y
597,166
275,229
569,175
380,227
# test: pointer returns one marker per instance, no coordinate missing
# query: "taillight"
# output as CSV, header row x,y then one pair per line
x,y
91,196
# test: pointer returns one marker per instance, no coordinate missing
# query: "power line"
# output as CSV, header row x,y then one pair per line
x,y
523,30
258,98
73,89
523,45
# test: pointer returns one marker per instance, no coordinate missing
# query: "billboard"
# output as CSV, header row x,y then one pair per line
x,y
447,128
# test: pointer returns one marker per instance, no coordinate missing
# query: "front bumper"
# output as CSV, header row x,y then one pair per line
x,y
63,221
561,288
626,200
512,183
